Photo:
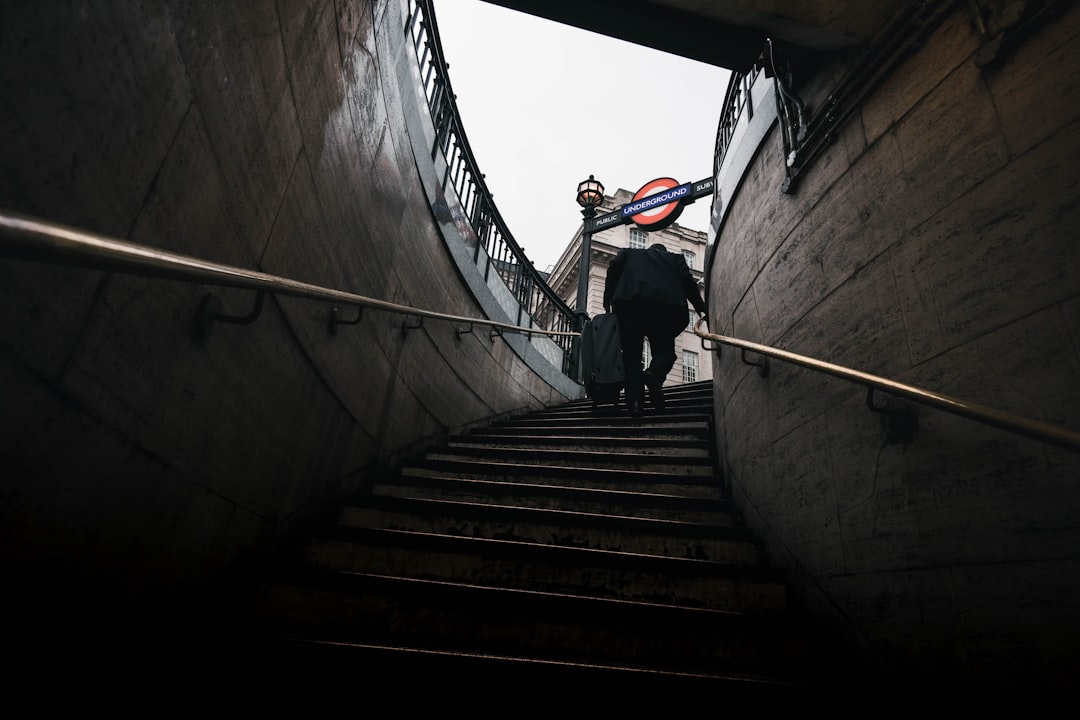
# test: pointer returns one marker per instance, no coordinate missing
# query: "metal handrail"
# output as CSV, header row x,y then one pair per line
x,y
1035,429
30,238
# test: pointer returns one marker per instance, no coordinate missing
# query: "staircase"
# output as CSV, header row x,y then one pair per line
x,y
566,544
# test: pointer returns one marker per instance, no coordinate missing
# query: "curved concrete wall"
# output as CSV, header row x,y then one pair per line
x,y
269,135
934,243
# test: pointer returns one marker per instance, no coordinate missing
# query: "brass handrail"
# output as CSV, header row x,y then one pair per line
x,y
30,238
1035,429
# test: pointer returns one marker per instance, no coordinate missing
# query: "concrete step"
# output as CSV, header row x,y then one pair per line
x,y
700,391
618,414
674,397
631,639
631,458
675,446
335,665
564,544
665,538
689,503
681,430
619,479
550,569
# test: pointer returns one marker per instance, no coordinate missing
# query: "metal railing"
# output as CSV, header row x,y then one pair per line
x,y
737,101
806,134
28,238
507,258
1034,429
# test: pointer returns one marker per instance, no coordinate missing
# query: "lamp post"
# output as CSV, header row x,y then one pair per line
x,y
590,193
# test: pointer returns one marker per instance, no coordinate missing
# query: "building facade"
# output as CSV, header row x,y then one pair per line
x,y
692,361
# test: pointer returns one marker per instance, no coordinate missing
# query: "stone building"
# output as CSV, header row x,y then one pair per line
x,y
692,361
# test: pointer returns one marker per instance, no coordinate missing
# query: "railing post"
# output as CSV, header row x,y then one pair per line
x,y
576,370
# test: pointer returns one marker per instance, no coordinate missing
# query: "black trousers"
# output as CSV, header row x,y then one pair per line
x,y
640,319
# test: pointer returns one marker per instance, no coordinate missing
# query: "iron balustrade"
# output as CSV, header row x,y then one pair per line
x,y
536,298
28,238
805,134
737,100
1027,427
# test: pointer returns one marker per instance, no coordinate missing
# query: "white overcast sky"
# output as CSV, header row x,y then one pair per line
x,y
545,105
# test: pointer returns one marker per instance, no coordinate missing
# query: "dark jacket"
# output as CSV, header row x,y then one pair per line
x,y
652,274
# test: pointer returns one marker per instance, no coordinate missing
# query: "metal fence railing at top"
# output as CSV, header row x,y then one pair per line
x,y
737,102
494,244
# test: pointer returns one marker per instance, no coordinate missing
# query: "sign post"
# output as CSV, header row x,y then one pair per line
x,y
657,204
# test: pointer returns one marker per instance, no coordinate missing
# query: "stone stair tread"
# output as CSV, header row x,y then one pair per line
x,y
517,514
441,616
674,431
619,488
703,466
627,470
582,416
628,477
559,439
642,450
673,403
326,659
550,527
309,575
700,398
687,498
557,434
647,512
717,511
585,530
489,547
564,541
584,571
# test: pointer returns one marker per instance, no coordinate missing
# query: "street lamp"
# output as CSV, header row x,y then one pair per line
x,y
590,193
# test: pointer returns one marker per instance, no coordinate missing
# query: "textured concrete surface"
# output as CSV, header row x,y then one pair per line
x,y
273,136
934,243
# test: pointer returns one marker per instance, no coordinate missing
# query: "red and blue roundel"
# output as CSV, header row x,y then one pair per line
x,y
657,204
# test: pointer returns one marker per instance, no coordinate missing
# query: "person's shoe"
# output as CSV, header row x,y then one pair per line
x,y
656,391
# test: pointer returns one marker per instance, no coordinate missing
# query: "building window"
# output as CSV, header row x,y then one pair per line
x,y
688,256
690,321
689,366
637,238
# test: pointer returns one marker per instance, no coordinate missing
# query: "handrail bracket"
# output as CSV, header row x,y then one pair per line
x,y
209,312
901,421
334,321
763,366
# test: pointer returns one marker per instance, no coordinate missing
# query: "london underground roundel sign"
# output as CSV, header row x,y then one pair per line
x,y
658,203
